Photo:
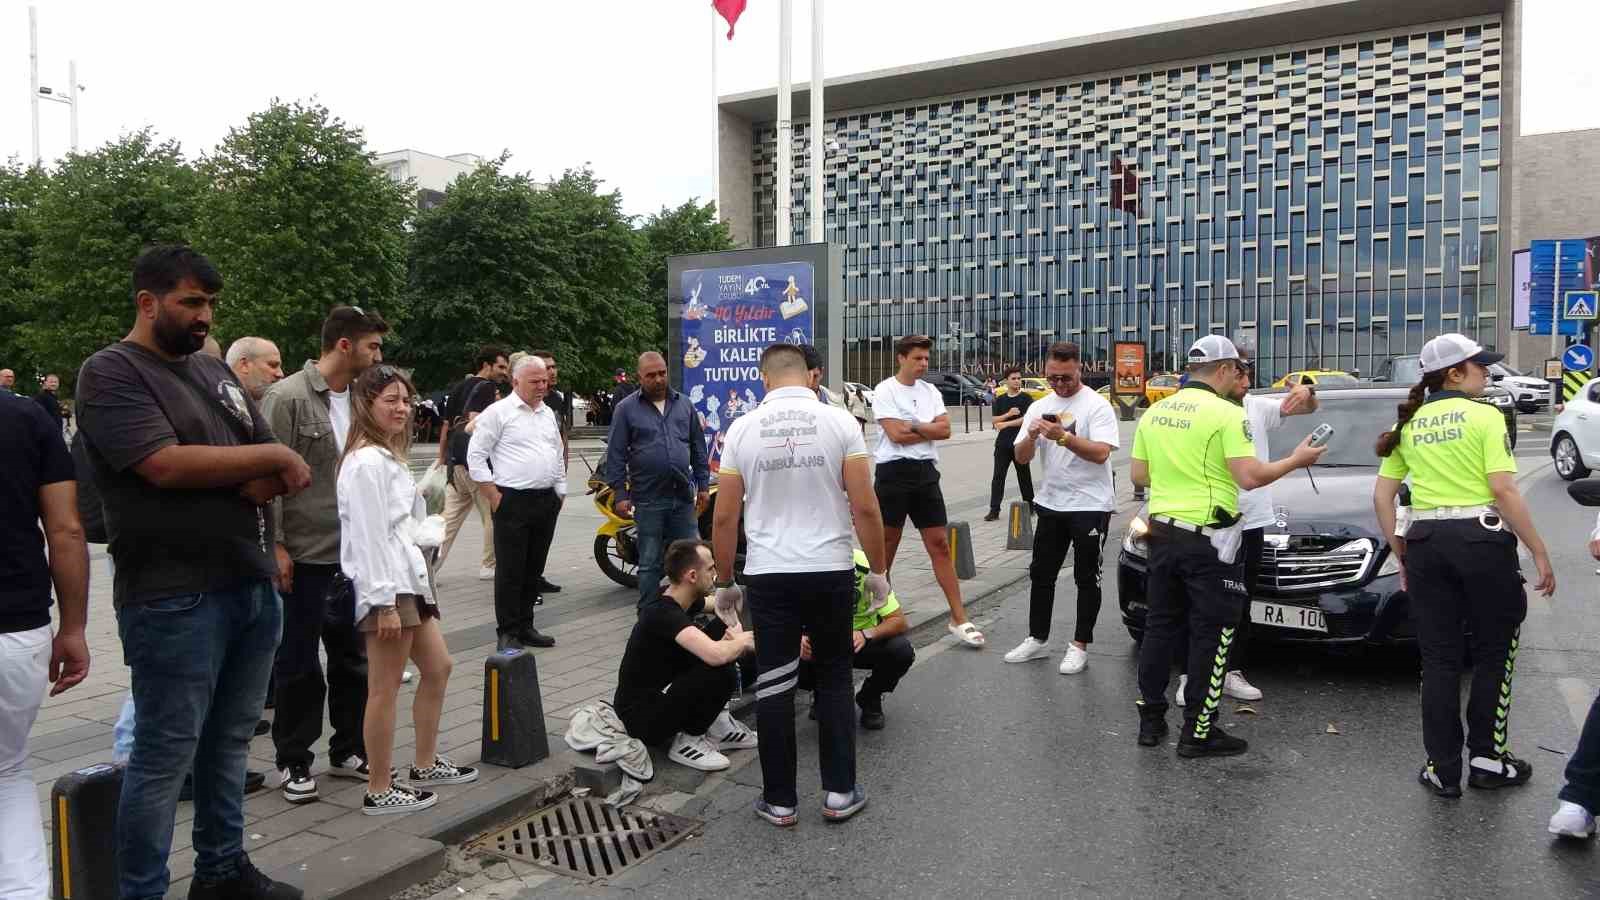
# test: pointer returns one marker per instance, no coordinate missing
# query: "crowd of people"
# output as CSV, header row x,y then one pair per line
x,y
258,522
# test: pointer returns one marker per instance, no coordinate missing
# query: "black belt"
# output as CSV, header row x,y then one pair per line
x,y
512,490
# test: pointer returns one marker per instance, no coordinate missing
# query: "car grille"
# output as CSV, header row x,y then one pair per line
x,y
1310,563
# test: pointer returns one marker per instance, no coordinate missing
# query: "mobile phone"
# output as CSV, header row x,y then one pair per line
x,y
1051,417
1321,436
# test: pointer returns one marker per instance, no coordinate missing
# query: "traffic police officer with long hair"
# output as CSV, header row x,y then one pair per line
x,y
1459,560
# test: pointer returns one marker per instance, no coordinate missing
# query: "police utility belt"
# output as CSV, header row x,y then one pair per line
x,y
1487,515
1225,539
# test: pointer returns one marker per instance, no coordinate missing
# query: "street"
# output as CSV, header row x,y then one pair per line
x,y
1013,780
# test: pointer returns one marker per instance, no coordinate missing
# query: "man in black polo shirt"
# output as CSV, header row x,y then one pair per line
x,y
185,464
1009,407
36,486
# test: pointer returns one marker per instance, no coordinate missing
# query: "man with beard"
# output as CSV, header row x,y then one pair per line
x,y
656,464
186,465
310,411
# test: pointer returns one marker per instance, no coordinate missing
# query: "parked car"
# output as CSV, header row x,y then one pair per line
x,y
1160,387
1327,576
958,389
1318,377
1037,388
1530,394
1407,371
1575,434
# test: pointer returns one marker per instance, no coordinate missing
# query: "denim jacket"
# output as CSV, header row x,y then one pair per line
x,y
651,454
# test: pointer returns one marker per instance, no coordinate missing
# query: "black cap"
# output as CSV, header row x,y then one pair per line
x,y
813,358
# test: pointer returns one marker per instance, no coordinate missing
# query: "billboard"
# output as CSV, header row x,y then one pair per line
x,y
1521,287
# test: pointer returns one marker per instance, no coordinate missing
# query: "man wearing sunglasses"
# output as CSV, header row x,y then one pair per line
x,y
310,412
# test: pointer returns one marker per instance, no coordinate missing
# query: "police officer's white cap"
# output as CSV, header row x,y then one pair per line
x,y
1448,350
1212,348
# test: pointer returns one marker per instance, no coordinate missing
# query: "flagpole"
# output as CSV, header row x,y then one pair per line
x,y
784,217
819,137
716,121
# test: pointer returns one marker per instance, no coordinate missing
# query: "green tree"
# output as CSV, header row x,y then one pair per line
x,y
299,220
691,228
19,195
93,216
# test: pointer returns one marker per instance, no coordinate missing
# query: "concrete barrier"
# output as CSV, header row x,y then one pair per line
x,y
961,550
1019,527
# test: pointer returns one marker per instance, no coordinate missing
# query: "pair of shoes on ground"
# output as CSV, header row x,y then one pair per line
x,y
836,807
704,751
872,718
1031,648
1234,685
299,786
247,883
1483,773
1215,741
530,637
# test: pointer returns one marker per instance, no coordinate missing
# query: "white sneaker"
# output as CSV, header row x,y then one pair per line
x,y
1030,648
728,733
1183,682
1236,687
297,784
1572,820
696,752
1076,660
486,573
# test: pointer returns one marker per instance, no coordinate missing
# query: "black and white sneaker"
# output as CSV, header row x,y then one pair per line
x,y
443,771
397,799
1507,771
352,767
297,784
1429,778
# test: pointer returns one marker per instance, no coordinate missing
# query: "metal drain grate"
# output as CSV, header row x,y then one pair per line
x,y
584,838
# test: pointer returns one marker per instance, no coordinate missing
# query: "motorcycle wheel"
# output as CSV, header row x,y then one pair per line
x,y
618,557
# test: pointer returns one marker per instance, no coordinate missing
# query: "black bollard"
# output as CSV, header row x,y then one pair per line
x,y
83,827
513,711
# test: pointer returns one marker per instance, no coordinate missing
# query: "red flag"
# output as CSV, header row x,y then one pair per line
x,y
730,10
1124,186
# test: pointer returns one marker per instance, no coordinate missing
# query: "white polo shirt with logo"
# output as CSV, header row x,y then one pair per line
x,y
790,453
1072,483
920,403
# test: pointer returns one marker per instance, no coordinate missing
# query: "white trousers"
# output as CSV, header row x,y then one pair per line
x,y
24,659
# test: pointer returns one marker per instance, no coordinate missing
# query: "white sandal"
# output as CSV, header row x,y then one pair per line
x,y
967,633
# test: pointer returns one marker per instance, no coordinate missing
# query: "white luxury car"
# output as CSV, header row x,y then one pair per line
x,y
1529,393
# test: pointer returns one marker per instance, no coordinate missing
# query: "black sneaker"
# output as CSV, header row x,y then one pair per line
x,y
1216,743
508,642
1510,772
992,517
443,771
547,587
532,637
871,711
1152,723
263,726
248,883
397,799
297,784
1430,779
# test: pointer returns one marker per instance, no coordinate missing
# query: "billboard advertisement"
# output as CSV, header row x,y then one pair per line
x,y
729,316
1521,287
1130,369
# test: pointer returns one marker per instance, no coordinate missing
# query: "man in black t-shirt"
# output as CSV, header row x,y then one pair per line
x,y
675,675
473,396
47,398
186,465
1009,407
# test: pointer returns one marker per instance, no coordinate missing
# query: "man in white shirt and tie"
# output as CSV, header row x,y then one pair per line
x,y
517,460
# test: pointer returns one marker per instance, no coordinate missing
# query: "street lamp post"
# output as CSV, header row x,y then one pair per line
x,y
37,92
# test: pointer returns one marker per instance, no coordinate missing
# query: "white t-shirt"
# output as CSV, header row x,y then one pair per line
x,y
1265,414
790,452
339,412
1072,483
921,403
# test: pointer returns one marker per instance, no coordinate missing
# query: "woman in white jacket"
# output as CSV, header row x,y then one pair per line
x,y
380,513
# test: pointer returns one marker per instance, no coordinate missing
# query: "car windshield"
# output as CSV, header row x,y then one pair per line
x,y
1357,422
1506,371
1331,378
1406,370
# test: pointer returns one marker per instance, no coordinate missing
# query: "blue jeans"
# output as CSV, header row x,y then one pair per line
x,y
200,664
660,522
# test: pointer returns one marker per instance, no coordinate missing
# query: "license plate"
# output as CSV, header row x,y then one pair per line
x,y
1299,617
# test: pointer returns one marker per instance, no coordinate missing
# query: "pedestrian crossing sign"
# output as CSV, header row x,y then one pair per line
x,y
1580,305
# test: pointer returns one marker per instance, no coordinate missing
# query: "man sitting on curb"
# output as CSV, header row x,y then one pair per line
x,y
676,675
881,646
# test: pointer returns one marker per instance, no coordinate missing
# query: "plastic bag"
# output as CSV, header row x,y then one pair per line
x,y
429,533
432,487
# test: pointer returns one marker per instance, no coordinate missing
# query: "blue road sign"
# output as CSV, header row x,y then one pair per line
x,y
1579,305
1578,358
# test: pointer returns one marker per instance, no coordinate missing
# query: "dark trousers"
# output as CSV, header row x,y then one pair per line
x,y
1583,768
1004,458
524,525
1250,544
1463,576
782,606
659,521
887,659
311,616
1057,533
1187,583
691,703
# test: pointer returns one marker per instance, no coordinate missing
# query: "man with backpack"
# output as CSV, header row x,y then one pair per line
x,y
471,397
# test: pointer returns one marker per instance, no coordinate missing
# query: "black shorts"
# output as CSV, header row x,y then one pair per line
x,y
910,487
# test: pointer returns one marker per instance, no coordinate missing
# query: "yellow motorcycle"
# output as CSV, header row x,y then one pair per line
x,y
616,541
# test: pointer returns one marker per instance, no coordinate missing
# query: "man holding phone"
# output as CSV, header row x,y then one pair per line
x,y
1073,431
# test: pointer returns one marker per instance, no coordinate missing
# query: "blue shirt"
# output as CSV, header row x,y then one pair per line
x,y
651,454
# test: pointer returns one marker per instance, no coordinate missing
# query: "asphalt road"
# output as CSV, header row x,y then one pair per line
x,y
1003,780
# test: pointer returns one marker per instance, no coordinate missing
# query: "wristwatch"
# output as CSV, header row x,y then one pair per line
x,y
724,584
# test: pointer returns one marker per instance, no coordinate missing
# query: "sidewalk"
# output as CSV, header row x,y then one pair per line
x,y
329,845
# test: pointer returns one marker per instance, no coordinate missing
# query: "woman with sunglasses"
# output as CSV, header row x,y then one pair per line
x,y
380,511
1459,559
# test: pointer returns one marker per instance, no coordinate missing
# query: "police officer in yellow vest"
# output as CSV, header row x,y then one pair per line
x,y
1459,560
1194,450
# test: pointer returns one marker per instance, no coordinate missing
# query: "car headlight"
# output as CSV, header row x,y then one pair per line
x,y
1501,400
1391,566
1134,542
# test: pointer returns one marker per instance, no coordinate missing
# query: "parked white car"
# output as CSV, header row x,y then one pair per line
x,y
1575,436
1529,393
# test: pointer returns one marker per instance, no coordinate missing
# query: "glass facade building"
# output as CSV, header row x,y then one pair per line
x,y
1339,199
